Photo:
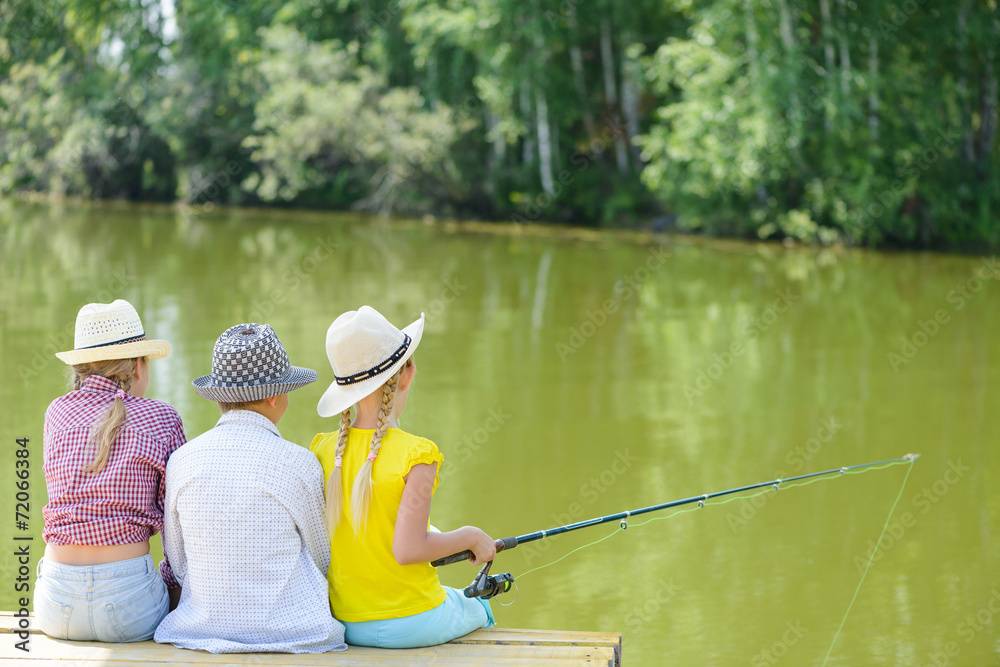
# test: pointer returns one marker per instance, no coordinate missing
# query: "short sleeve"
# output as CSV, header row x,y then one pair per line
x,y
420,451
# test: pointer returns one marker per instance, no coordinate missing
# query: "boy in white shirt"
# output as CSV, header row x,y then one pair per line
x,y
243,526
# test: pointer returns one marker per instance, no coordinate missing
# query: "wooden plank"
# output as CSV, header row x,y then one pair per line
x,y
493,646
8,623
360,656
152,652
339,659
531,636
612,640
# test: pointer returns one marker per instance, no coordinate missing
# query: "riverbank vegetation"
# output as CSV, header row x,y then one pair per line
x,y
831,120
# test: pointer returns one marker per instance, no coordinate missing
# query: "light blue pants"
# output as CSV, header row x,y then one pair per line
x,y
115,602
456,616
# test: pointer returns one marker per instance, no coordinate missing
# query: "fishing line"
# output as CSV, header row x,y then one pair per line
x,y
703,504
517,592
567,555
487,585
871,557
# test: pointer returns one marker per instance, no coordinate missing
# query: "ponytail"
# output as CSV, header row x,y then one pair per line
x,y
104,431
334,483
361,494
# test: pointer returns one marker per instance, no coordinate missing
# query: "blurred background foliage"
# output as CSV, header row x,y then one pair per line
x,y
872,123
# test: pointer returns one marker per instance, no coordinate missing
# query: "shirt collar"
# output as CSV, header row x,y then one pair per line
x,y
248,417
98,383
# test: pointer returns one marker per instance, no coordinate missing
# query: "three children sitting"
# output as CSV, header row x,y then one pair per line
x,y
247,517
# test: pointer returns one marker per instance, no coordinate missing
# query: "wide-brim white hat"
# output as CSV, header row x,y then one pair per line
x,y
107,331
249,363
365,350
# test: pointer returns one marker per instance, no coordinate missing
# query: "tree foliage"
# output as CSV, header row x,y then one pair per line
x,y
871,121
377,143
868,122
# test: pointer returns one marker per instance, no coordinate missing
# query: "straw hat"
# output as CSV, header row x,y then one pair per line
x,y
364,349
106,331
248,364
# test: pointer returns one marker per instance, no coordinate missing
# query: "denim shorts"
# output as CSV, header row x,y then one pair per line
x,y
453,618
122,601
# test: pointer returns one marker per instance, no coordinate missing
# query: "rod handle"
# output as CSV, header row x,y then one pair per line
x,y
504,543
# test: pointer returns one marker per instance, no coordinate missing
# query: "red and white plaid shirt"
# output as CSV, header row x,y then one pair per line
x,y
122,504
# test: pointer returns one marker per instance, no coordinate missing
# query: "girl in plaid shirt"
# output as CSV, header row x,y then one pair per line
x,y
105,454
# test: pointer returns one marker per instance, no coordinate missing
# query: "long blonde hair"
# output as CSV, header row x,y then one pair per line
x,y
361,492
104,431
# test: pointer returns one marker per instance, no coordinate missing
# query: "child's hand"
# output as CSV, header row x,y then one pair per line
x,y
482,546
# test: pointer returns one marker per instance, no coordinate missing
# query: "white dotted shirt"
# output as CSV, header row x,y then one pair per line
x,y
243,530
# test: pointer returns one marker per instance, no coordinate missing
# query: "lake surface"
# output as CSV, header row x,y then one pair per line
x,y
567,375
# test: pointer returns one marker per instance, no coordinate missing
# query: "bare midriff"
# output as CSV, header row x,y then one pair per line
x,y
79,554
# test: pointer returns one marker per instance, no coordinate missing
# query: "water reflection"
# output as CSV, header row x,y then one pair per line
x,y
618,387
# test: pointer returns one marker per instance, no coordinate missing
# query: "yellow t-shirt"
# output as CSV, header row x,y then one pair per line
x,y
366,583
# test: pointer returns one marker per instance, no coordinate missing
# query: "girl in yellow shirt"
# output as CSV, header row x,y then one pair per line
x,y
380,481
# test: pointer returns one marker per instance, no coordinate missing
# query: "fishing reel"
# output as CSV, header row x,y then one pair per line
x,y
487,586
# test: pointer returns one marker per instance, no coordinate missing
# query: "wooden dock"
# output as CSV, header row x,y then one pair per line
x,y
493,646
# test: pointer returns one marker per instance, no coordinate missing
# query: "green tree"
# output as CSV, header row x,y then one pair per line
x,y
780,120
332,130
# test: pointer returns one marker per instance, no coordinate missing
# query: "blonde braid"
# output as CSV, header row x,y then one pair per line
x,y
334,484
104,432
361,494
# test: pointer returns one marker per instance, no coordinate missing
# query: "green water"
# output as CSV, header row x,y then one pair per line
x,y
571,375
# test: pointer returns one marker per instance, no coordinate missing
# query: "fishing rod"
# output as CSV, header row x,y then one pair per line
x,y
487,586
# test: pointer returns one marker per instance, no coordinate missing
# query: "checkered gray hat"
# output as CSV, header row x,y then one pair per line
x,y
248,364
